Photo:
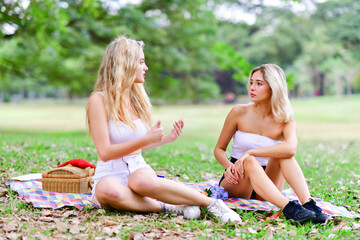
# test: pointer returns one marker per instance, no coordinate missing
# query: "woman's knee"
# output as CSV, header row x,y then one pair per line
x,y
107,192
142,182
250,162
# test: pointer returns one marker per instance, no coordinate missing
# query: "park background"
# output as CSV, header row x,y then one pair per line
x,y
199,55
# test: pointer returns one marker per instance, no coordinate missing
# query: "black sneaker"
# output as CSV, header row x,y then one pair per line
x,y
294,211
320,216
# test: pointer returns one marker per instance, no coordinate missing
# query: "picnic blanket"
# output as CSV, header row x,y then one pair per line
x,y
30,188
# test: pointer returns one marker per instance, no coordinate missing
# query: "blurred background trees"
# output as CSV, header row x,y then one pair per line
x,y
53,48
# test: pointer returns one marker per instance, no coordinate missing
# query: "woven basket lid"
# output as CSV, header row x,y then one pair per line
x,y
69,172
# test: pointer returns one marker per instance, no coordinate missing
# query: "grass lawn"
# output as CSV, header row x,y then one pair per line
x,y
35,137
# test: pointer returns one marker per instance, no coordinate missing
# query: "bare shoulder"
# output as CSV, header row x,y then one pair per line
x,y
240,109
96,104
290,125
95,99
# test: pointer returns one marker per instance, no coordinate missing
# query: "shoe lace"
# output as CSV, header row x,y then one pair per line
x,y
218,208
175,209
316,208
313,207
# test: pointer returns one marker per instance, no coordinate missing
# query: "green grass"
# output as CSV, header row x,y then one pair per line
x,y
329,157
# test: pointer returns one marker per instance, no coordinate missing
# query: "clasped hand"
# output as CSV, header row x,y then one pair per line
x,y
236,170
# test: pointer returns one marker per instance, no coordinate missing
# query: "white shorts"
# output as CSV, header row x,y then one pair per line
x,y
120,169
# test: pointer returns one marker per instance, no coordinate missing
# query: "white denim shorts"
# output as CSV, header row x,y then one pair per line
x,y
120,169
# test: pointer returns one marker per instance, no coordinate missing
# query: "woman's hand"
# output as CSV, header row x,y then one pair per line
x,y
176,131
155,134
239,164
231,175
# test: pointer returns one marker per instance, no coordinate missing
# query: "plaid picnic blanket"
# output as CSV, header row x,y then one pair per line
x,y
31,191
256,205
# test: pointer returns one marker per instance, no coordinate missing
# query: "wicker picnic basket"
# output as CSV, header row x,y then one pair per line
x,y
69,179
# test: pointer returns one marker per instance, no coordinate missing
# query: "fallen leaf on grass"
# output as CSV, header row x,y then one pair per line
x,y
292,232
178,219
356,226
138,217
13,236
161,229
152,235
110,222
111,230
250,230
331,236
138,236
101,211
11,227
269,233
74,221
3,192
313,232
41,236
69,213
61,227
339,225
46,219
74,228
46,213
25,218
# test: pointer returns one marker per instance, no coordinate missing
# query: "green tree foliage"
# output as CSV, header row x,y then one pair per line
x,y
51,45
342,17
228,58
60,43
331,55
182,33
54,47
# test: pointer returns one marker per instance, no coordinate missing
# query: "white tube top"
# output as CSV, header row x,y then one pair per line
x,y
120,132
243,141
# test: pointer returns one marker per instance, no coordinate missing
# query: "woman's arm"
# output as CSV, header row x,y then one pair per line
x,y
226,134
229,128
100,133
283,150
174,134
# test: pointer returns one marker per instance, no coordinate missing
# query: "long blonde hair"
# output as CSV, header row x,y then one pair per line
x,y
116,77
280,103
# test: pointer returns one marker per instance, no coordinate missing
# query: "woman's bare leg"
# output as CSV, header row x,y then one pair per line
x,y
242,189
256,178
145,182
111,193
273,171
295,177
262,184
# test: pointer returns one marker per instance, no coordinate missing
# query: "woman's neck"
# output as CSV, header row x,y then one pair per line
x,y
263,109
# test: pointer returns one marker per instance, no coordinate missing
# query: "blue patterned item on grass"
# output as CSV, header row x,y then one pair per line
x,y
217,192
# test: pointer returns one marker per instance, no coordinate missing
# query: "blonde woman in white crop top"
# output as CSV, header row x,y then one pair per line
x,y
119,119
264,137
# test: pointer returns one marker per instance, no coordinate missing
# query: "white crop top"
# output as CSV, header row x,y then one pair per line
x,y
119,132
243,141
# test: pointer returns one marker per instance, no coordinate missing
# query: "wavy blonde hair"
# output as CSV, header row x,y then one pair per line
x,y
116,79
280,103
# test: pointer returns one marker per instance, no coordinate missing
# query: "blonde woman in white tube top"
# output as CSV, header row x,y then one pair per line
x,y
119,119
263,149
